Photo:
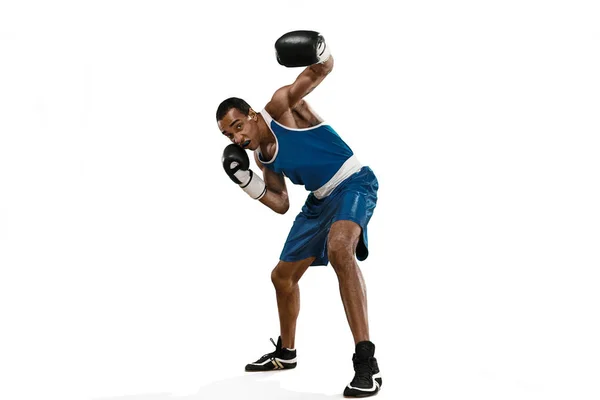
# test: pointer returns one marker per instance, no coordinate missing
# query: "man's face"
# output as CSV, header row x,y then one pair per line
x,y
240,129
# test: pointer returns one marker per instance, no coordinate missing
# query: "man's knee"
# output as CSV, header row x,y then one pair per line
x,y
340,250
281,282
285,275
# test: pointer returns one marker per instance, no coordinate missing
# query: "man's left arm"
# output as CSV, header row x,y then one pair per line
x,y
303,48
308,80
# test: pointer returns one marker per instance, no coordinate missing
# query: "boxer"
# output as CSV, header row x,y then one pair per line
x,y
290,140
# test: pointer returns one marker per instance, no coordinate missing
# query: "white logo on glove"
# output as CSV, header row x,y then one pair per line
x,y
321,48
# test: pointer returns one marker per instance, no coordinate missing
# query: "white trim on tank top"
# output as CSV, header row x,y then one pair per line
x,y
268,120
348,168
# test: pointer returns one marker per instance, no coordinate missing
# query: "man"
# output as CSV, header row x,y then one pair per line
x,y
290,140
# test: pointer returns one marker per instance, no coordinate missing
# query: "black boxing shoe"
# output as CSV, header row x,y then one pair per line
x,y
367,378
281,358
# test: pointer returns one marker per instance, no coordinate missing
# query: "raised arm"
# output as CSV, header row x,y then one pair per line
x,y
309,79
302,49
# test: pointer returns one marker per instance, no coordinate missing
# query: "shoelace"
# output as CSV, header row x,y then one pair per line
x,y
271,353
363,371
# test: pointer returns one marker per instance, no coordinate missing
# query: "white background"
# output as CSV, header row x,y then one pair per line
x,y
132,266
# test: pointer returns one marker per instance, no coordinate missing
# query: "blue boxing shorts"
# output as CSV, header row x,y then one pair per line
x,y
353,200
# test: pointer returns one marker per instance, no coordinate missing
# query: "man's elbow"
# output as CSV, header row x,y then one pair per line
x,y
284,206
282,210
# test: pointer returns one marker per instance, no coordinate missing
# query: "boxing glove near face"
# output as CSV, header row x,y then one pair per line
x,y
237,166
235,160
301,49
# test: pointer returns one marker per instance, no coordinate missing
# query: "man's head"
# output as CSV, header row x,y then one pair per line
x,y
239,122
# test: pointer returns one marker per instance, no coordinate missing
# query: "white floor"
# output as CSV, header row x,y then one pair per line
x,y
436,337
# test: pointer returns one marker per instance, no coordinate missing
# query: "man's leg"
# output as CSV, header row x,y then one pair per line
x,y
341,244
285,277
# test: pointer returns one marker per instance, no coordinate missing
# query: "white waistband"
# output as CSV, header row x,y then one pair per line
x,y
350,167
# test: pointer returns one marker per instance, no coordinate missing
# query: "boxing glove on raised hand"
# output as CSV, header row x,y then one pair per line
x,y
237,166
301,49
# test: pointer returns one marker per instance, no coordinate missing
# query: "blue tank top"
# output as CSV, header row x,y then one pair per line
x,y
310,156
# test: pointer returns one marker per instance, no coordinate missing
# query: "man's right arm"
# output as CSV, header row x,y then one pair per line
x,y
276,197
271,191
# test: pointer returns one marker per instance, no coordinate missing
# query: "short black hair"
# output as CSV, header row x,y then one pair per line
x,y
232,102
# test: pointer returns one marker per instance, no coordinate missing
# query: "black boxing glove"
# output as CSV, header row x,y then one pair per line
x,y
237,166
301,49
